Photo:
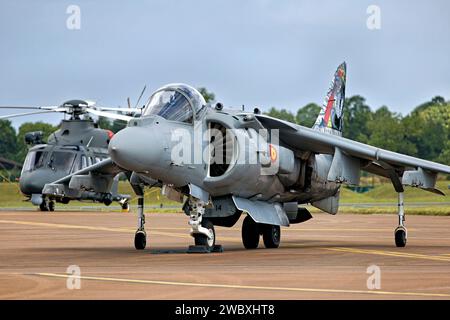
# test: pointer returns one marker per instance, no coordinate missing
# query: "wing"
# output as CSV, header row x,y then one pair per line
x,y
351,156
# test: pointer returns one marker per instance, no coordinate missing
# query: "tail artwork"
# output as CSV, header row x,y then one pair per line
x,y
331,117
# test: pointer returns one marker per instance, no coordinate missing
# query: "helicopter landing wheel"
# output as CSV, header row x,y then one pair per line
x,y
271,235
44,206
125,207
140,240
51,206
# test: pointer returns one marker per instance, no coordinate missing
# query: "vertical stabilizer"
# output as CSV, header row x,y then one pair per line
x,y
331,116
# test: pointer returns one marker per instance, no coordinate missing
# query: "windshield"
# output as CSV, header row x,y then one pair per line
x,y
62,161
34,160
171,105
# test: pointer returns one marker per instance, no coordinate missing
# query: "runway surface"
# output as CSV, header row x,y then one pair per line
x,y
325,258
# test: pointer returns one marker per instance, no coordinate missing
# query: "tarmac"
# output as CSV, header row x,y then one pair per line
x,y
328,257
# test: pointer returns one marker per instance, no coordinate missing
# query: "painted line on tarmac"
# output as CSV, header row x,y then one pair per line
x,y
248,287
91,228
79,227
390,253
344,229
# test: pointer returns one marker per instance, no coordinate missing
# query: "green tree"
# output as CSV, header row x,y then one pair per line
x,y
118,125
437,100
307,115
104,123
357,116
8,141
429,129
444,157
46,128
209,96
282,114
387,132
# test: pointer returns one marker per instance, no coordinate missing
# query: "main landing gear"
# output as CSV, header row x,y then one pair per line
x,y
251,232
47,205
400,233
140,237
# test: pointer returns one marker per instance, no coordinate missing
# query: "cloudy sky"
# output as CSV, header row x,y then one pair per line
x,y
257,53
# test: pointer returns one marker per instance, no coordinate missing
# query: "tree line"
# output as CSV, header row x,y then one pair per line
x,y
423,133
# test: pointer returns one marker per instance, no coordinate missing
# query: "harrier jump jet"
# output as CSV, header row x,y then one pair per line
x,y
222,163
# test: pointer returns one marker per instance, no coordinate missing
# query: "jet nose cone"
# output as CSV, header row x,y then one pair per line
x,y
135,148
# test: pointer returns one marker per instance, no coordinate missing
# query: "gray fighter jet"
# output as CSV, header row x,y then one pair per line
x,y
222,163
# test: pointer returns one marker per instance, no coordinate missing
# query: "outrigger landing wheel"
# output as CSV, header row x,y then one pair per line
x,y
400,237
140,240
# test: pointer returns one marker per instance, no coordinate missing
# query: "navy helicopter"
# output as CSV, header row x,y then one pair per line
x,y
77,144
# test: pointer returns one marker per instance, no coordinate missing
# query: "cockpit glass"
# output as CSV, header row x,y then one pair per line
x,y
171,105
34,160
62,161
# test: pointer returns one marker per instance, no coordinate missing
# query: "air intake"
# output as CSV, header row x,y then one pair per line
x,y
221,149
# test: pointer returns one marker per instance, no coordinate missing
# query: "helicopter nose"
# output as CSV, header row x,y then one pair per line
x,y
136,148
33,182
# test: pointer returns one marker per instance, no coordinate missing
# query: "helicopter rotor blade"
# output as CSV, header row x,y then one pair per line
x,y
29,113
139,99
126,110
29,108
109,115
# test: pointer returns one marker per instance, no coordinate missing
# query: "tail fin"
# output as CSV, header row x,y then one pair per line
x,y
331,117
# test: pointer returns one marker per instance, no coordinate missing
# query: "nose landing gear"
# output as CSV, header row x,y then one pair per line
x,y
140,237
201,229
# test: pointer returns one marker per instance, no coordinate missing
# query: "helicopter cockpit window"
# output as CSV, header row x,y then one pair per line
x,y
62,161
34,160
171,105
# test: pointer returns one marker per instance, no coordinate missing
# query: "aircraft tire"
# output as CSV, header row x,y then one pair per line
x,y
250,233
140,240
400,237
51,206
202,240
43,206
271,236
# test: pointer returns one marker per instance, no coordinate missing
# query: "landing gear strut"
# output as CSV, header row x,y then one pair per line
x,y
401,234
202,229
140,237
